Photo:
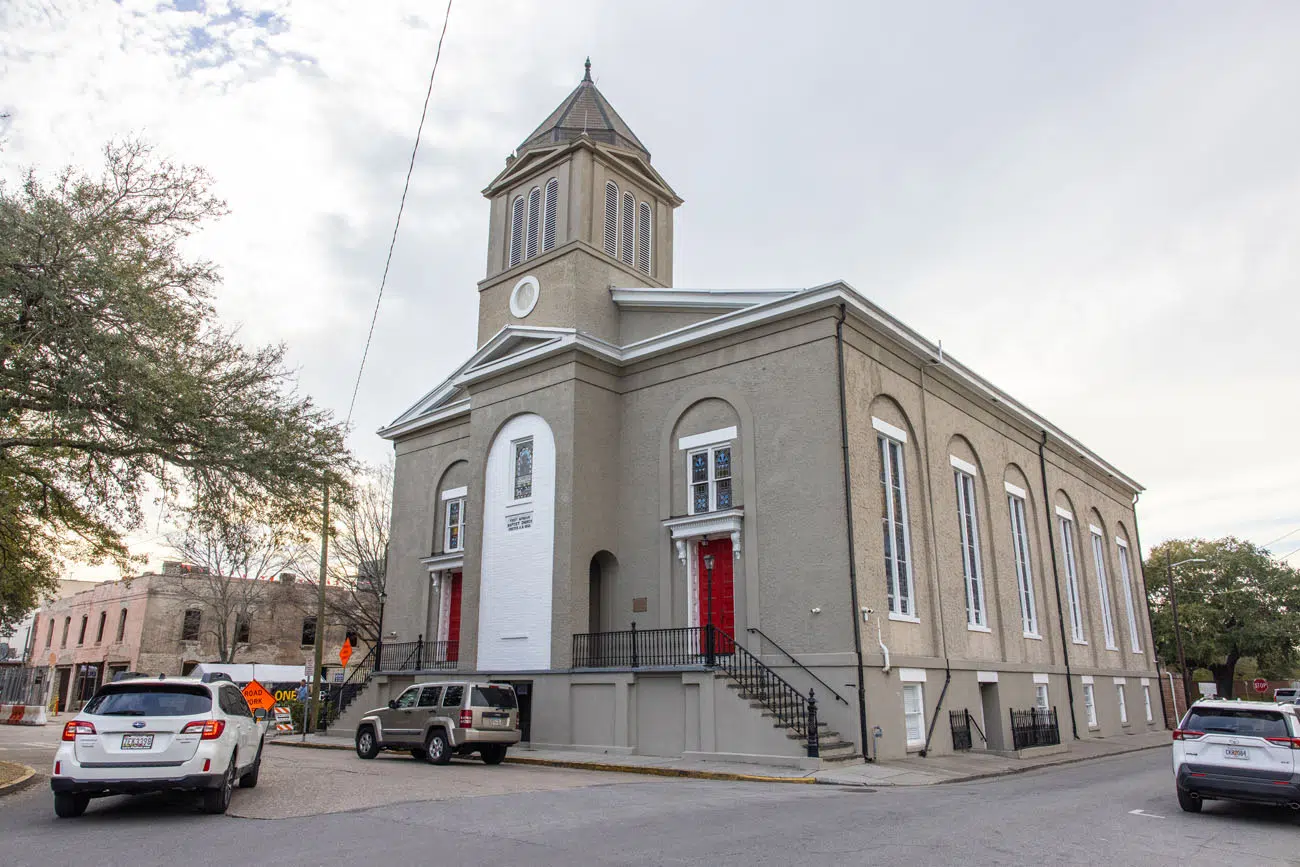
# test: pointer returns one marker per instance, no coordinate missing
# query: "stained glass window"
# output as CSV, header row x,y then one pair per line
x,y
524,469
455,538
710,479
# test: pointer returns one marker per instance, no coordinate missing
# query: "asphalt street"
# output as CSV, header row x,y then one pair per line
x,y
1114,811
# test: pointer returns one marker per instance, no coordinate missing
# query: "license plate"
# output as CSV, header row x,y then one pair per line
x,y
137,742
1236,753
496,722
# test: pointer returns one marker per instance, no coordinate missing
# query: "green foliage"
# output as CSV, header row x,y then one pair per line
x,y
1239,603
116,379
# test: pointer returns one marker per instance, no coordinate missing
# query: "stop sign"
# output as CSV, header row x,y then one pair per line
x,y
1261,685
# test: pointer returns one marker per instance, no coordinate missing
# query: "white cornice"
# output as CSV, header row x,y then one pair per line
x,y
781,304
649,298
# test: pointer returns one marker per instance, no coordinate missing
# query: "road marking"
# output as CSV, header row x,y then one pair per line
x,y
1144,814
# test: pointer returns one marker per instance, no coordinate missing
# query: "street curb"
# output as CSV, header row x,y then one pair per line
x,y
603,766
652,771
992,775
30,778
1074,761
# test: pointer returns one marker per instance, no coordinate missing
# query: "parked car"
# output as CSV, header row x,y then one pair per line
x,y
158,734
1286,695
1238,751
434,721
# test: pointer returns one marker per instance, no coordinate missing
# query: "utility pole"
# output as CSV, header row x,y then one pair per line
x,y
309,724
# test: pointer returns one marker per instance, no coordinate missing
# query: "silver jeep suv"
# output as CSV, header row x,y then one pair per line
x,y
434,721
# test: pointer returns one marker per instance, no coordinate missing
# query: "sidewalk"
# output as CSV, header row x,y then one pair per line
x,y
960,767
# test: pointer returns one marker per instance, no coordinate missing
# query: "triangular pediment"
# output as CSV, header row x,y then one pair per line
x,y
510,345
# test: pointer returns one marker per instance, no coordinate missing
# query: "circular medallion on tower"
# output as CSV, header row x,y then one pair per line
x,y
523,298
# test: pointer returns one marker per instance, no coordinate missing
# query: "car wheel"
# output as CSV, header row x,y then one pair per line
x,y
493,754
1188,803
367,746
69,806
217,800
249,780
437,748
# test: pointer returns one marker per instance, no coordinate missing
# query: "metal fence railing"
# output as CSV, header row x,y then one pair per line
x,y
959,722
1036,727
20,684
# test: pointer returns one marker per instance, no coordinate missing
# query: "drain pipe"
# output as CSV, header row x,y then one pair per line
x,y
1056,579
934,551
1142,574
848,518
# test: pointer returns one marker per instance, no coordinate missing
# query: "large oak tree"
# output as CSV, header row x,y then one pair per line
x,y
1239,603
117,380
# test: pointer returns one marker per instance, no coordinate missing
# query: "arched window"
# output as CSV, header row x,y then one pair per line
x,y
517,231
534,216
611,218
629,204
643,238
548,221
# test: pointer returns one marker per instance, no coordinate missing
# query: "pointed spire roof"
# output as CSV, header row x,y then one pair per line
x,y
585,110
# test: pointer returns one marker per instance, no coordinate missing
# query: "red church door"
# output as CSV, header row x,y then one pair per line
x,y
722,607
453,619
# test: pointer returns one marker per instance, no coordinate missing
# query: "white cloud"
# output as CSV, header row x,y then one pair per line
x,y
1093,206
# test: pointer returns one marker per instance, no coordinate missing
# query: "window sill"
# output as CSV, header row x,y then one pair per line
x,y
904,618
1094,727
1138,652
971,627
1033,635
1112,649
1079,642
514,504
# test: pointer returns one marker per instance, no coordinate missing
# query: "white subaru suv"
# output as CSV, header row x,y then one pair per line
x,y
1237,751
158,734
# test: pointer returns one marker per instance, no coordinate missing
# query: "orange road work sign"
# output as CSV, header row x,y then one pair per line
x,y
345,652
257,696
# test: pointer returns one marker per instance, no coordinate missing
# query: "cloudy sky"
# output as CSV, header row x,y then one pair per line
x,y
1094,205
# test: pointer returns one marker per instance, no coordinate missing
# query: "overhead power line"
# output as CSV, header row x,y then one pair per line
x,y
400,207
1280,538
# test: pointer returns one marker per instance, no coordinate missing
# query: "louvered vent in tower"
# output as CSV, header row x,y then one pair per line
x,y
629,204
517,231
643,237
548,222
611,218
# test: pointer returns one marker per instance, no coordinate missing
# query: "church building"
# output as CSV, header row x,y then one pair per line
x,y
680,519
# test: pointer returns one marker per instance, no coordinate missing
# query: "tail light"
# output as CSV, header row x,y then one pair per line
x,y
1187,735
77,727
58,768
467,719
1293,743
207,729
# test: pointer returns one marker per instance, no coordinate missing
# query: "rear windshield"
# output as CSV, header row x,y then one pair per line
x,y
493,696
1230,721
151,699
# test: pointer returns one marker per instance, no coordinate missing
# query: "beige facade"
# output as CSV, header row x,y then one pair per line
x,y
785,394
141,625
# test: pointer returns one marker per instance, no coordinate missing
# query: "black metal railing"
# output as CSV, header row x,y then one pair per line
x,y
641,648
1036,727
709,647
762,683
419,655
959,721
338,696
755,630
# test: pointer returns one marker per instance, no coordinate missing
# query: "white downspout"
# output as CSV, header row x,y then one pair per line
x,y
885,650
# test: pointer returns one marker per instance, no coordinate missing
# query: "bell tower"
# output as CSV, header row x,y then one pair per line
x,y
577,210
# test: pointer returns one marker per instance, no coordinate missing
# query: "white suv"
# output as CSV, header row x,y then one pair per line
x,y
1238,751
156,734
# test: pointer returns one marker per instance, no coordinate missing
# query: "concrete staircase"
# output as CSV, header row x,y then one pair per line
x,y
756,690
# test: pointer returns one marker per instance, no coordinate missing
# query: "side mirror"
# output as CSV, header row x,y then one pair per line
x,y
260,714
392,704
